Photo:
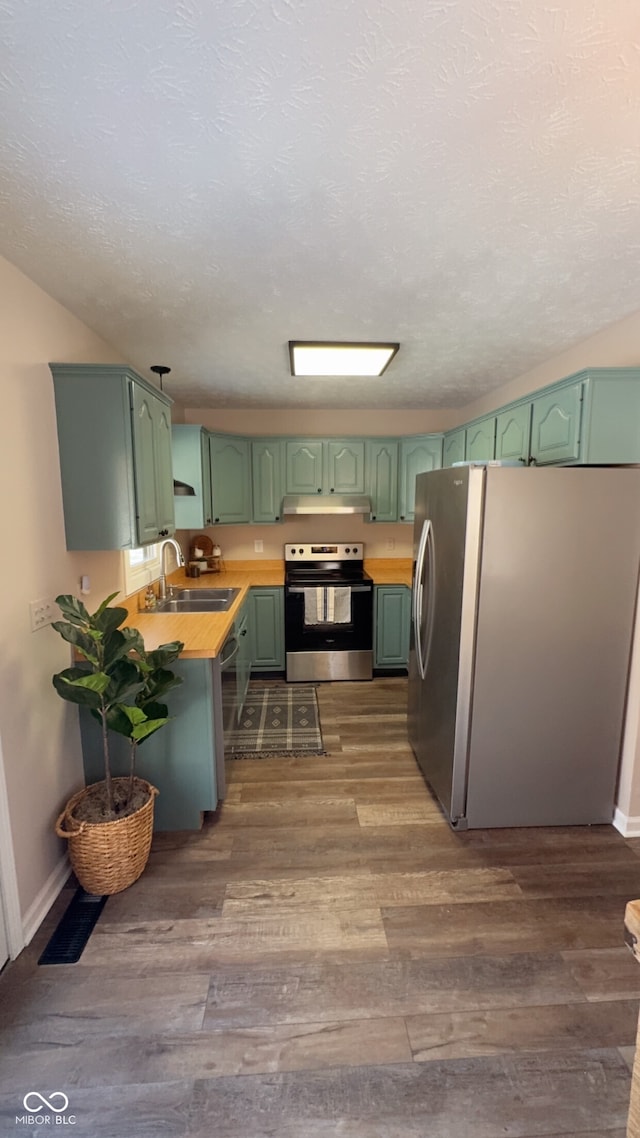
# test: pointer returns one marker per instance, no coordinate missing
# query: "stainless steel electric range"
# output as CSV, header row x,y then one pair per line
x,y
328,612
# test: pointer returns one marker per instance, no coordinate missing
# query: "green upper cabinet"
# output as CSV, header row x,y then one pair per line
x,y
611,416
344,467
230,479
381,465
152,465
417,455
555,425
513,433
266,622
316,467
481,440
191,465
453,447
304,466
114,438
267,476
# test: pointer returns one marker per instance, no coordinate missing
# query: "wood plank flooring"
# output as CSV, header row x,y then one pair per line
x,y
327,958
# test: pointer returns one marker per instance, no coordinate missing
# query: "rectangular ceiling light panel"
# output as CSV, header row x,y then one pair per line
x,y
311,358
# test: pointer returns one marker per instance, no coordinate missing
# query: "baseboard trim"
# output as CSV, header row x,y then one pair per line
x,y
628,827
37,911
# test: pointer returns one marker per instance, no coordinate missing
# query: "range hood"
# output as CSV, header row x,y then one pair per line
x,y
326,504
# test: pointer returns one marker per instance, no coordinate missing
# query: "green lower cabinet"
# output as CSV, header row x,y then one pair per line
x,y
179,759
392,626
266,624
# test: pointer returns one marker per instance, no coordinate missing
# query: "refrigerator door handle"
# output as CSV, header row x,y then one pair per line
x,y
418,595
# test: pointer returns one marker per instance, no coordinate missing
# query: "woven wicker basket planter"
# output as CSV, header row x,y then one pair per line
x,y
107,857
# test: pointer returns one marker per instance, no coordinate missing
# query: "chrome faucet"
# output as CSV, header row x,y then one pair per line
x,y
162,583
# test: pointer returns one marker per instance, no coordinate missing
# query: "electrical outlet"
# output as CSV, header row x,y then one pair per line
x,y
391,545
258,546
42,613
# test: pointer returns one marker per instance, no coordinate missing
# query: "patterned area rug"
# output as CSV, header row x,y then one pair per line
x,y
277,719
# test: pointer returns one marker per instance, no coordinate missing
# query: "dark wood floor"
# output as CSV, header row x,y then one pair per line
x,y
326,958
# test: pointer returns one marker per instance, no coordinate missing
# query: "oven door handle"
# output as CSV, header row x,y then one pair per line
x,y
354,588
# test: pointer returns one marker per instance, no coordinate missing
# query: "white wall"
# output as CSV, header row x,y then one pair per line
x,y
615,346
39,733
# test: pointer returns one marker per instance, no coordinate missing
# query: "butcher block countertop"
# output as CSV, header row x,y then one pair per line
x,y
390,571
203,634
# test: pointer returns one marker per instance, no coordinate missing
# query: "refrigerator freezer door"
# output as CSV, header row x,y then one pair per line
x,y
439,702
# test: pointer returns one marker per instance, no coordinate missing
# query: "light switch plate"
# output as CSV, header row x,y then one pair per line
x,y
258,546
42,613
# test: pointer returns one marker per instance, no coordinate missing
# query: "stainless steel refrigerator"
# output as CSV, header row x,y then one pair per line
x,y
524,592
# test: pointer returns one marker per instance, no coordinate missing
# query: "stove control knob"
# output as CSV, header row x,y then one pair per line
x,y
347,550
301,551
355,549
293,552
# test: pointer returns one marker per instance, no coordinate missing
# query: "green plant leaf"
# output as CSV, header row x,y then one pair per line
x,y
75,635
106,601
165,654
126,682
109,619
76,686
73,609
115,647
142,731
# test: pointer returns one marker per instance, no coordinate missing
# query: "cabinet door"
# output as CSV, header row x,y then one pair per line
x,y
381,460
152,466
345,467
304,466
393,611
513,433
266,475
267,629
164,472
453,447
555,426
481,440
230,479
190,450
417,455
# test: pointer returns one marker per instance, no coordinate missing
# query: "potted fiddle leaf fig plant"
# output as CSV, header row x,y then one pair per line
x,y
109,824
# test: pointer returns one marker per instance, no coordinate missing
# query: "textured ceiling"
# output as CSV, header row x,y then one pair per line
x,y
201,181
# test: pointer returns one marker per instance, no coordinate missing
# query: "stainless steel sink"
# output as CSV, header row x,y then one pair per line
x,y
203,594
197,600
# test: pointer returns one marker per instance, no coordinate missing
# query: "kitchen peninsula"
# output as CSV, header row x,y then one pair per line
x,y
186,760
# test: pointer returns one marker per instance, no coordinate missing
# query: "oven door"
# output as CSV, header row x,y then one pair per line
x,y
329,634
